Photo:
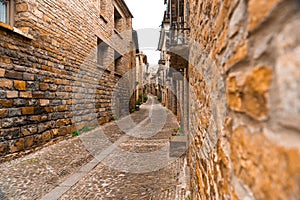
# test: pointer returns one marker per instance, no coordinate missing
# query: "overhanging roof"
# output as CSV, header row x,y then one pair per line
x,y
124,8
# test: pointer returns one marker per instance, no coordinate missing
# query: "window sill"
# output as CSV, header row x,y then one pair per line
x,y
118,34
103,18
15,30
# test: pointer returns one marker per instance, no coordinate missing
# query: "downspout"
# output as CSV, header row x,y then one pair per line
x,y
170,13
178,10
170,28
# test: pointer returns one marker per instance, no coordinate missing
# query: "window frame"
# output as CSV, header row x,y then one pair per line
x,y
10,12
102,52
117,61
117,19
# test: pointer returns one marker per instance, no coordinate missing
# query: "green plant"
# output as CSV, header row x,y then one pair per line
x,y
159,98
180,129
85,129
75,133
116,118
138,102
140,96
145,98
189,197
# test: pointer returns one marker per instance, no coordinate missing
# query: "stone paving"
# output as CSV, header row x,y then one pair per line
x,y
124,159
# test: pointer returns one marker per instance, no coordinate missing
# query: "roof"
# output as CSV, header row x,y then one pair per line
x,y
124,8
136,40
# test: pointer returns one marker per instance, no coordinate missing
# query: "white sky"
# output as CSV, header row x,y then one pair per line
x,y
148,15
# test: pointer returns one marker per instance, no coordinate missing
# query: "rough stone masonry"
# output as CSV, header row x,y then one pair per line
x,y
51,82
245,113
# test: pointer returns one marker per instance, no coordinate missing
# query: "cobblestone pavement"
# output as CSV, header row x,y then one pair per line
x,y
124,159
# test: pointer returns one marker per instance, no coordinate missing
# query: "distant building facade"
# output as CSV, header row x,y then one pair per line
x,y
173,64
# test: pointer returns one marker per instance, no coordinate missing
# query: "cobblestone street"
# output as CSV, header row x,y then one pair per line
x,y
124,159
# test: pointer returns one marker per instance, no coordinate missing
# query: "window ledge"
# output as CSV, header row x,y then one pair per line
x,y
103,18
118,33
16,30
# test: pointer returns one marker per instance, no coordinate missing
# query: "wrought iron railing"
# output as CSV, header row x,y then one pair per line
x,y
179,34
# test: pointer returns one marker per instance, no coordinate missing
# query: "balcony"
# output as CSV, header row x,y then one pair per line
x,y
179,34
162,62
179,39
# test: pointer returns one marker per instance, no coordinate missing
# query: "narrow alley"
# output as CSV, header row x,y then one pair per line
x,y
104,163
149,99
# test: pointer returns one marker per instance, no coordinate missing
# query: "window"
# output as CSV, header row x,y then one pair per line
x,y
117,20
102,8
7,11
118,61
102,51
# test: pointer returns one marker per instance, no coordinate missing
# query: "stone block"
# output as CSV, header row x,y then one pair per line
x,y
4,59
6,103
63,131
28,110
255,93
14,112
62,108
258,11
12,94
23,7
20,85
26,95
3,113
2,72
38,139
240,54
28,77
62,122
29,142
55,132
14,75
6,84
2,94
44,102
47,136
3,148
29,130
44,86
17,145
19,102
37,95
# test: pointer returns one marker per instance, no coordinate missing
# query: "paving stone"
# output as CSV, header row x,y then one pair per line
x,y
130,167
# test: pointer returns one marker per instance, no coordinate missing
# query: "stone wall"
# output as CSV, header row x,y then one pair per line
x,y
50,83
245,81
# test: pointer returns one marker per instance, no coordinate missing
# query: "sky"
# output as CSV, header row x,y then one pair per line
x,y
148,15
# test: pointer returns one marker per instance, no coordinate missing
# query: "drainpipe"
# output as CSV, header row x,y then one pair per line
x,y
170,29
178,10
170,13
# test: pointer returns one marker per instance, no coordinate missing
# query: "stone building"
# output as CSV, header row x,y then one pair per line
x,y
141,67
152,79
243,96
60,62
173,44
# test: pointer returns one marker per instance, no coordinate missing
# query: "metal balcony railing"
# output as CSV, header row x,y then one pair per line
x,y
179,34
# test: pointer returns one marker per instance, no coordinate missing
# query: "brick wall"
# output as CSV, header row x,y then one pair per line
x,y
50,84
244,74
